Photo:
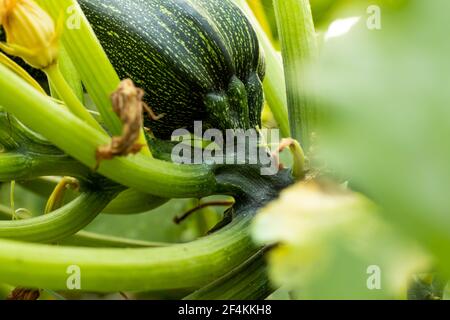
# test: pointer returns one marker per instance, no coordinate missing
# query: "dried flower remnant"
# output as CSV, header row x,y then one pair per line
x,y
31,34
128,105
298,168
24,294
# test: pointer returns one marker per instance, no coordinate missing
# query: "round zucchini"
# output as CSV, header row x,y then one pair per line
x,y
195,59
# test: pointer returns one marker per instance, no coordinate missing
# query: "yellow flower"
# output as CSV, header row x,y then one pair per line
x,y
30,32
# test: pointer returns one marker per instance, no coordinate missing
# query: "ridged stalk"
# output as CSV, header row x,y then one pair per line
x,y
91,61
190,265
17,166
71,100
80,141
59,224
249,281
91,239
299,49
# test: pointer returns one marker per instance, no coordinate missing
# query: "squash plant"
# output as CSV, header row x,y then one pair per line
x,y
58,136
196,60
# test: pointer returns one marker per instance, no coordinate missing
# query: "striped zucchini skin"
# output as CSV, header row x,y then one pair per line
x,y
196,59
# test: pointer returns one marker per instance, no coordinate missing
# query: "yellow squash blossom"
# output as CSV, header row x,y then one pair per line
x,y
30,32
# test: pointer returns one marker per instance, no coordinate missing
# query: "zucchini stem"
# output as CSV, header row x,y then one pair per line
x,y
190,265
249,281
299,49
80,140
68,96
92,63
59,224
17,166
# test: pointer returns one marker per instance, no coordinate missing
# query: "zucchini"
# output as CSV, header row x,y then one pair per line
x,y
195,59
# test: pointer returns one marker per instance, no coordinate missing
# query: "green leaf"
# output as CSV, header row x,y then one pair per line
x,y
333,246
447,293
426,286
386,94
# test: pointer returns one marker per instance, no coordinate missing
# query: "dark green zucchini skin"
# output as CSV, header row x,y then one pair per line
x,y
196,59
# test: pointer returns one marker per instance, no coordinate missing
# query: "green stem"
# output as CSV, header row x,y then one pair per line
x,y
128,202
70,73
190,265
299,48
17,166
68,96
91,61
90,239
249,281
80,141
59,224
274,83
97,74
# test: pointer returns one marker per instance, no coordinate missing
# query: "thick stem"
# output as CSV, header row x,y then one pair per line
x,y
90,239
17,166
59,224
128,202
91,61
80,141
70,73
249,281
189,265
299,48
96,72
68,96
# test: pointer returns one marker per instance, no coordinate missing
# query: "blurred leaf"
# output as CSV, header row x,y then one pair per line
x,y
447,292
280,294
325,11
426,286
387,98
5,291
333,246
